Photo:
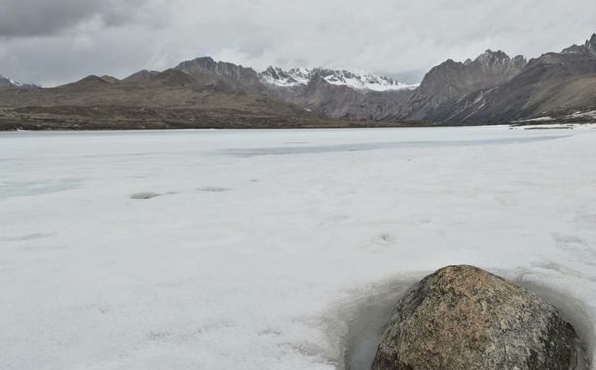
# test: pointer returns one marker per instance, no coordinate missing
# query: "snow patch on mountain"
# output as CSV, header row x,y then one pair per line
x,y
278,77
359,80
9,82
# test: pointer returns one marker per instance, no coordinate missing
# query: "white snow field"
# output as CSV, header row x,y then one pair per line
x,y
270,249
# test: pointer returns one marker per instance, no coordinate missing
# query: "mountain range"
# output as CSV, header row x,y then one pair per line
x,y
491,89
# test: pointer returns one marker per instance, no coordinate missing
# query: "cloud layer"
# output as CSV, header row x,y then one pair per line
x,y
46,18
56,41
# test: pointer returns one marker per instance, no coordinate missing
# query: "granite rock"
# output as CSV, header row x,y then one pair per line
x,y
462,317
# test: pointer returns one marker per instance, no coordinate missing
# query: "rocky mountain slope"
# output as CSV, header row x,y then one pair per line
x,y
228,76
554,85
449,81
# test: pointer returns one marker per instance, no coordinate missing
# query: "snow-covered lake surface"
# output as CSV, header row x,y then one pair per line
x,y
274,249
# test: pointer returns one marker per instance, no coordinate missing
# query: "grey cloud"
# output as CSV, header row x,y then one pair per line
x,y
20,18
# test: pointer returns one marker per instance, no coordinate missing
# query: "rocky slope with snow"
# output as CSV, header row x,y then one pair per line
x,y
6,82
338,93
358,80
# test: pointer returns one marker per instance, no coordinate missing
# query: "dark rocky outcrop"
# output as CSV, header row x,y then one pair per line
x,y
462,317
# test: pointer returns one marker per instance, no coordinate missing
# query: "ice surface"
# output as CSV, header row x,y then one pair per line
x,y
274,249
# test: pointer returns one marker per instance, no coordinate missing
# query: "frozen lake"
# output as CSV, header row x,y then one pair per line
x,y
274,249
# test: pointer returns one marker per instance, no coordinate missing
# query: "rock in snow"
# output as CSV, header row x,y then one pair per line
x,y
462,317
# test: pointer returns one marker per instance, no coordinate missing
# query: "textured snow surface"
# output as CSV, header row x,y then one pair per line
x,y
359,80
273,249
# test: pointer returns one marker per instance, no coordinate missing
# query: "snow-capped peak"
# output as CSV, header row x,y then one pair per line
x,y
359,80
10,83
278,77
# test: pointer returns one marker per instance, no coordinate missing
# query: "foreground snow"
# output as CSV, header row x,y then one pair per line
x,y
264,249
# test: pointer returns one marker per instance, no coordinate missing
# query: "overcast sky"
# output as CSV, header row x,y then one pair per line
x,y
51,42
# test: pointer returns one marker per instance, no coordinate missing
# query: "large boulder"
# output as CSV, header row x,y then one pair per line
x,y
462,317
